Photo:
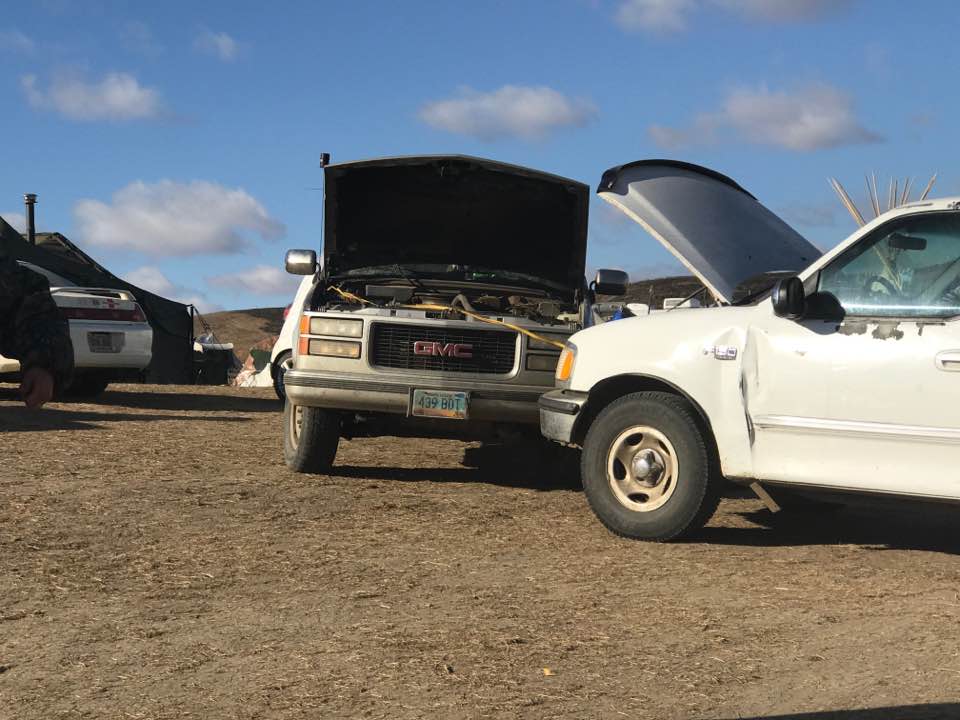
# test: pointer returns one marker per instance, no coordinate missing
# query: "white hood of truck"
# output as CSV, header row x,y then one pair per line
x,y
715,228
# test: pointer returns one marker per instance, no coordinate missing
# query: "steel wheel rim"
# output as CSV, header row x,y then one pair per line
x,y
642,468
296,424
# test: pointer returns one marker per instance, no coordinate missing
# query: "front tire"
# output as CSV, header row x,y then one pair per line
x,y
284,362
311,437
646,469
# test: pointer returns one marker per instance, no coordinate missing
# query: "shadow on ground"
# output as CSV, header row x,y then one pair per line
x,y
500,465
20,419
900,525
933,711
188,401
192,398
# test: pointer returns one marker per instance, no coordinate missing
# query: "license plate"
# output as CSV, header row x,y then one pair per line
x,y
105,342
439,404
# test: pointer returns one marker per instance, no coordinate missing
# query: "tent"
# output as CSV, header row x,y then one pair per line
x,y
172,322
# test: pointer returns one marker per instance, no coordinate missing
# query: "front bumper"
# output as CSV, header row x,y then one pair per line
x,y
559,412
489,401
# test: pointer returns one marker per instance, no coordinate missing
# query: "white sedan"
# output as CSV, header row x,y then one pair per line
x,y
110,333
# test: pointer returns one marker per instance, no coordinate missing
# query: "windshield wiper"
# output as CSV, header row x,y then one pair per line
x,y
510,275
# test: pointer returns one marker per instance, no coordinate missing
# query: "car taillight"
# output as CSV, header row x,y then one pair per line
x,y
286,311
135,314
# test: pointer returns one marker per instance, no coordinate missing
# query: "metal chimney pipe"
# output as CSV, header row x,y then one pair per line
x,y
30,199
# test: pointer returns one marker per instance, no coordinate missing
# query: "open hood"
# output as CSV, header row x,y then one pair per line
x,y
716,228
455,210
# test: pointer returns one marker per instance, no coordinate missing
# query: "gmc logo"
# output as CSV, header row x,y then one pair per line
x,y
455,350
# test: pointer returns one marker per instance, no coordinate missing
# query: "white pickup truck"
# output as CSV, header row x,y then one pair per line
x,y
845,376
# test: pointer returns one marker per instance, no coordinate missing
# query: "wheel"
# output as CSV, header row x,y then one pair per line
x,y
646,470
87,385
284,362
310,438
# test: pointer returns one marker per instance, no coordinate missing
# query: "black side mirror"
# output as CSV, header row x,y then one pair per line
x,y
788,298
301,262
611,282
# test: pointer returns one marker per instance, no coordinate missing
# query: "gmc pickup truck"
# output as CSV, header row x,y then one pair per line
x,y
446,290
843,377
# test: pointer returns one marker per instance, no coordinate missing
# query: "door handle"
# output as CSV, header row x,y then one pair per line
x,y
948,360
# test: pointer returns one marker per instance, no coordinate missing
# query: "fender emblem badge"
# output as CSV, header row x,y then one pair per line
x,y
725,352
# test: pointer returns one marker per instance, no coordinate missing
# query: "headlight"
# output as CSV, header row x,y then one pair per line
x,y
332,348
546,363
565,363
338,327
535,344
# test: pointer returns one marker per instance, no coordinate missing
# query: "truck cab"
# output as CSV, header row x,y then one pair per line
x,y
841,377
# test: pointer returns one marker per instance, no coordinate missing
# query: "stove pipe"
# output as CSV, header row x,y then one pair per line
x,y
30,200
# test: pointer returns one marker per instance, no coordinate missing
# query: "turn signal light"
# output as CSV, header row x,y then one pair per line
x,y
565,363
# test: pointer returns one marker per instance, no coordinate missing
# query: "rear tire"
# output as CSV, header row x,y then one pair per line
x,y
646,469
311,437
284,362
87,385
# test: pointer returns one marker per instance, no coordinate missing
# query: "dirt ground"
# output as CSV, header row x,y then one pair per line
x,y
158,560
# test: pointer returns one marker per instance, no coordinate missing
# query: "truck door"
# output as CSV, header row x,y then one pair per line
x,y
867,396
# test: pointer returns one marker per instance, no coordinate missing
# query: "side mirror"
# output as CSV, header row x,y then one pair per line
x,y
788,298
611,282
301,262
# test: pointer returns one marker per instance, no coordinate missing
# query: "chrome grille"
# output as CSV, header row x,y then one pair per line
x,y
391,346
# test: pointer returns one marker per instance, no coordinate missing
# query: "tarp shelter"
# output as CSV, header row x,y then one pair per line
x,y
171,321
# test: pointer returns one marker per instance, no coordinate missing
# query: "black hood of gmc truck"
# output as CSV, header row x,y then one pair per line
x,y
455,210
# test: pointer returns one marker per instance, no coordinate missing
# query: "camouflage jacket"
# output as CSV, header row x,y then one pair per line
x,y
31,328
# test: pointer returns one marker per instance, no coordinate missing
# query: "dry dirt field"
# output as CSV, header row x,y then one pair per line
x,y
157,560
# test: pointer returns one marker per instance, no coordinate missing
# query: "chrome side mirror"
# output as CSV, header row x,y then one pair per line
x,y
611,282
788,298
301,262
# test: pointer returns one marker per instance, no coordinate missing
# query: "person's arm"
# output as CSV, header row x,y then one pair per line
x,y
33,332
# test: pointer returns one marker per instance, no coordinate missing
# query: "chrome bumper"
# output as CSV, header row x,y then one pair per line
x,y
559,411
496,402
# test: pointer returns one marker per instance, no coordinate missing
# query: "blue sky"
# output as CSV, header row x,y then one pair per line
x,y
179,142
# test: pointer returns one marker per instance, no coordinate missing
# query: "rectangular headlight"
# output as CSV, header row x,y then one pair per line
x,y
535,344
338,327
543,363
333,348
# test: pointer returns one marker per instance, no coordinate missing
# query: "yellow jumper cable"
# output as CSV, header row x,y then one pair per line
x,y
441,308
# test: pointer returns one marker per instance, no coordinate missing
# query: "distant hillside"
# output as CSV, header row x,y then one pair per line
x,y
243,328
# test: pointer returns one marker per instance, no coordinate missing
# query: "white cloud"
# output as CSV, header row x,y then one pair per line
x,y
168,218
511,111
661,16
813,117
118,96
218,44
151,278
17,220
259,280
15,41
654,15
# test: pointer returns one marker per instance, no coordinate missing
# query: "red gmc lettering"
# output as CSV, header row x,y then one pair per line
x,y
463,351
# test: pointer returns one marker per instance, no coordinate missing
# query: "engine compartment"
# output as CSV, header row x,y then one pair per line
x,y
442,300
